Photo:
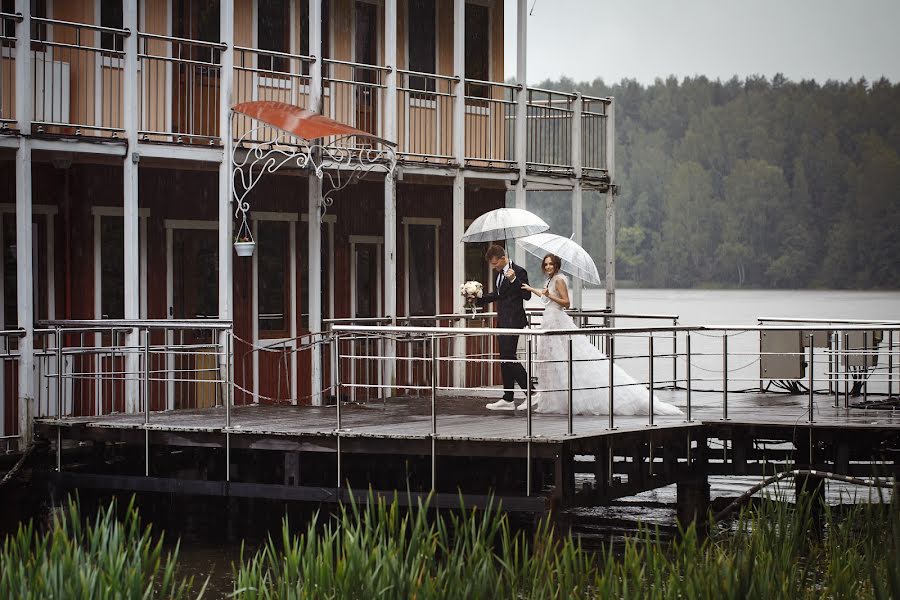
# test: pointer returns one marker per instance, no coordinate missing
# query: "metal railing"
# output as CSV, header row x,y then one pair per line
x,y
78,76
594,117
425,115
353,93
490,127
8,24
267,75
549,130
9,389
180,84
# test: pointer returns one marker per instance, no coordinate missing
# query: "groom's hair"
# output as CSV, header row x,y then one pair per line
x,y
494,251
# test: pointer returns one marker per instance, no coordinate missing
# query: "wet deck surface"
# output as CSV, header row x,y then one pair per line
x,y
467,419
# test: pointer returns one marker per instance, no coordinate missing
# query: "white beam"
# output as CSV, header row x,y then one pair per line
x,y
459,181
24,259
226,262
611,208
172,151
521,110
130,216
82,147
577,231
314,223
390,185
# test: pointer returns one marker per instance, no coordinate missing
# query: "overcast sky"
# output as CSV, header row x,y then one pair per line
x,y
646,39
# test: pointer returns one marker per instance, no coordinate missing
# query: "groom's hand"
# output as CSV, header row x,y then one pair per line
x,y
510,274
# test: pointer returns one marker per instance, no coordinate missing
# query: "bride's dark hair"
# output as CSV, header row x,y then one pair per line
x,y
554,260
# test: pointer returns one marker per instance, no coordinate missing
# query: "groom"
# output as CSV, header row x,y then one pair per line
x,y
509,296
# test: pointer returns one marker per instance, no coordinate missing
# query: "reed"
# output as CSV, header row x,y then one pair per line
x,y
105,558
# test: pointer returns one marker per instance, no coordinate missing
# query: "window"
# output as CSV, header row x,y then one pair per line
x,y
273,278
196,20
422,269
478,49
273,30
38,30
326,34
422,45
9,25
112,268
111,16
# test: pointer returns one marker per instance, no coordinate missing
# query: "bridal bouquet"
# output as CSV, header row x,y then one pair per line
x,y
471,290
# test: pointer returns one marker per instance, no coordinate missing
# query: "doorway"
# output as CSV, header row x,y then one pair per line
x,y
365,51
193,273
196,68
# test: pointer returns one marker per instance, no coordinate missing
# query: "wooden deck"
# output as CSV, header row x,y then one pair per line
x,y
389,446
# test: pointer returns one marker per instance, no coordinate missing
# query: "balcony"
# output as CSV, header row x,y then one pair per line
x,y
78,71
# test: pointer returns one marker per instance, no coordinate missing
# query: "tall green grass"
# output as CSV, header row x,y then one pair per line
x,y
773,550
102,559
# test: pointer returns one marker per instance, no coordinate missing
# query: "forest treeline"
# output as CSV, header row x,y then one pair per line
x,y
750,183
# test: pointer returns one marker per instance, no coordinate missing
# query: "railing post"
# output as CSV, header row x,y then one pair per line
x,y
146,382
865,373
890,363
846,370
812,379
528,417
337,406
434,375
650,399
59,373
687,375
229,400
674,354
834,366
571,383
724,375
612,352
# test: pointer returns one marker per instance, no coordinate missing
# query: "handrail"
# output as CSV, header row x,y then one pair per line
x,y
275,53
46,21
171,38
222,324
511,86
572,95
349,63
827,321
17,17
428,75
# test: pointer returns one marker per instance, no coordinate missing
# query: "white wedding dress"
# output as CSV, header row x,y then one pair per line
x,y
590,374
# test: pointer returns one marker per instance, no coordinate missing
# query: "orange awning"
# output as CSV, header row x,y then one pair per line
x,y
300,122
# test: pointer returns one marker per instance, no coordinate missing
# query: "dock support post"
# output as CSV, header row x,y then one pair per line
x,y
692,501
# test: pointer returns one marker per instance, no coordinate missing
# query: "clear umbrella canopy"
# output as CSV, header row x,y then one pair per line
x,y
504,224
575,259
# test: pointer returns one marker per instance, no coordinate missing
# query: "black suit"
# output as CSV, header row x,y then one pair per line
x,y
509,297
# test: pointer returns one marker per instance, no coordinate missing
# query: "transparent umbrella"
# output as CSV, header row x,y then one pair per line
x,y
504,224
575,259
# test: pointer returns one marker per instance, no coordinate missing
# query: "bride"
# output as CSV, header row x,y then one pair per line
x,y
590,373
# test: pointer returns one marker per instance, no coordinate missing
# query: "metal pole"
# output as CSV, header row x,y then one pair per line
x,y
611,341
812,379
687,344
725,376
846,370
434,365
146,402
830,357
674,355
650,415
59,374
865,371
890,363
571,382
834,365
528,419
337,405
229,399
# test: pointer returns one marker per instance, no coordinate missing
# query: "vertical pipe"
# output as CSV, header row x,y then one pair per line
x,y
611,208
612,351
833,366
434,373
687,375
528,418
229,399
890,363
570,381
811,379
650,386
521,122
865,371
337,405
725,376
674,354
59,374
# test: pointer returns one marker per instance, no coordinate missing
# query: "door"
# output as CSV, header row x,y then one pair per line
x,y
365,50
196,71
366,304
195,295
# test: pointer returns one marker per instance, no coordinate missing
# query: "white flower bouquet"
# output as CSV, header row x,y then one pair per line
x,y
471,290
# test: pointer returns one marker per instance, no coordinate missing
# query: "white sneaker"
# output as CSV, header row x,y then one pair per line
x,y
501,405
524,404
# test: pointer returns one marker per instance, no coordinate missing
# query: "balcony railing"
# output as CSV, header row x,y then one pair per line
x,y
594,114
490,124
179,90
8,23
78,76
267,75
425,115
354,94
549,126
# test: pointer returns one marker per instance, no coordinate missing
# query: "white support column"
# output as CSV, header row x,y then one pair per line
x,y
521,110
314,224
459,182
24,260
131,219
577,231
226,181
611,207
390,188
